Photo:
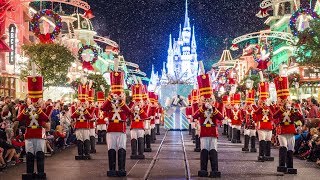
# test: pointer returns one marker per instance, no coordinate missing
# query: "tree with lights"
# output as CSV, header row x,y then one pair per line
x,y
52,62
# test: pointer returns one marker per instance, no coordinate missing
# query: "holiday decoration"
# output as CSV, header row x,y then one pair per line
x,y
35,23
301,14
87,61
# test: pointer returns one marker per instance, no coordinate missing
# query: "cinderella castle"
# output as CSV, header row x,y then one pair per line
x,y
182,64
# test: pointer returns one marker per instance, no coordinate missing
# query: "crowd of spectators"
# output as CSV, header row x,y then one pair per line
x,y
59,132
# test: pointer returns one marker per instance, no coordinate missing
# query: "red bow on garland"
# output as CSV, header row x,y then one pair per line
x,y
45,38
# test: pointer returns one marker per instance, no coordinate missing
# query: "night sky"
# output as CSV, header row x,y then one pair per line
x,y
143,26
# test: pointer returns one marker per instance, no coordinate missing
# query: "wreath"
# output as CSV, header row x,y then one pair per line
x,y
93,49
295,15
46,38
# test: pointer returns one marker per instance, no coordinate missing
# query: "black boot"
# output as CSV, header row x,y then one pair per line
x,y
203,163
262,148
112,163
190,129
93,144
238,136
133,149
282,160
152,136
197,148
121,163
140,148
30,167
225,129
40,165
230,131
80,150
290,169
246,143
87,149
268,152
104,136
158,129
99,137
253,144
193,134
213,155
148,143
234,135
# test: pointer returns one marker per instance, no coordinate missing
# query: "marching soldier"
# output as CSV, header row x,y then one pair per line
x,y
287,116
189,113
195,108
138,116
102,119
35,120
158,115
82,115
147,125
117,112
207,116
249,121
151,115
264,124
92,111
225,112
236,118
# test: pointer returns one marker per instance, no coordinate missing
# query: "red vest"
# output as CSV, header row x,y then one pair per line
x,y
286,119
208,129
152,112
33,131
236,117
137,119
264,118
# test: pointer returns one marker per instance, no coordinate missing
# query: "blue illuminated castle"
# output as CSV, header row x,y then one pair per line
x,y
182,63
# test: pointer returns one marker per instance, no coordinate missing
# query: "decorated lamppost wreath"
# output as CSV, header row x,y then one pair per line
x,y
87,62
46,37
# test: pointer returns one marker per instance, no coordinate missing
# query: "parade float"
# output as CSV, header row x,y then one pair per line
x,y
94,54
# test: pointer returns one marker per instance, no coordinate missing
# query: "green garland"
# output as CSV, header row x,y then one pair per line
x,y
52,62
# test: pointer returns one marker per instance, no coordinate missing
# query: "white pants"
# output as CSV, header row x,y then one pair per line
x,y
92,132
157,121
250,132
225,121
265,135
136,133
147,127
287,140
236,126
101,127
152,126
116,140
82,134
35,145
209,143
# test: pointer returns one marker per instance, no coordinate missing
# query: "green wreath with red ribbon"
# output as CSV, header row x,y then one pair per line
x,y
93,49
48,37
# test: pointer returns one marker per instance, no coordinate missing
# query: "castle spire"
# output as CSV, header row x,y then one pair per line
x,y
164,68
186,18
170,43
193,42
180,33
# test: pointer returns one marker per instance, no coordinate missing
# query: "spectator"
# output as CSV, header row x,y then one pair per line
x,y
10,138
3,164
55,116
59,137
8,149
65,122
314,110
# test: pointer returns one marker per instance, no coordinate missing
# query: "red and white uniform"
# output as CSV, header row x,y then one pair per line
x,y
137,122
286,126
264,121
250,126
82,125
101,120
236,118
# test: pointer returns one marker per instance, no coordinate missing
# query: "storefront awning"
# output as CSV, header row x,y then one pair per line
x,y
4,47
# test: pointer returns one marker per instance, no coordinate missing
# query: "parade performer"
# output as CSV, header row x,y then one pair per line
x,y
229,114
207,116
117,112
137,118
195,108
236,118
250,117
147,126
264,123
82,115
286,118
226,114
35,120
158,115
92,110
189,113
102,119
151,115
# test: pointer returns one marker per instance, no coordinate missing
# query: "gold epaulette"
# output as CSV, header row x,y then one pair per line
x,y
201,110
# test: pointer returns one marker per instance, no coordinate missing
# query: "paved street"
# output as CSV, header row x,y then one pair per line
x,y
167,161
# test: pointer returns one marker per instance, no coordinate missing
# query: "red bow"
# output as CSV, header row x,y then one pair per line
x,y
45,38
88,14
